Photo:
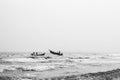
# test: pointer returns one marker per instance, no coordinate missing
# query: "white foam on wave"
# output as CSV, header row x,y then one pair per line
x,y
38,68
114,55
28,67
22,60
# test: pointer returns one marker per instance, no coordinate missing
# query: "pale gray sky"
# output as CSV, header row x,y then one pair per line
x,y
67,25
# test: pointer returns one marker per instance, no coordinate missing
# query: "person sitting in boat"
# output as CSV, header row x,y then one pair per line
x,y
37,54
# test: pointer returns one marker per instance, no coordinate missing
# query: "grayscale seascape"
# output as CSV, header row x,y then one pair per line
x,y
59,39
70,66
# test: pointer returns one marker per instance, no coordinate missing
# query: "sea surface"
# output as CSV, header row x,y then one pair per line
x,y
22,64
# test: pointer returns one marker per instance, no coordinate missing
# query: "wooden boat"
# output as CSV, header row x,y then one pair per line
x,y
56,53
37,54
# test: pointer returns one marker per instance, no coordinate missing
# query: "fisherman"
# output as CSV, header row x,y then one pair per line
x,y
36,54
33,53
59,52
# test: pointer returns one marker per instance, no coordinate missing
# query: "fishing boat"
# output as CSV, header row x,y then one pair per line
x,y
37,54
56,53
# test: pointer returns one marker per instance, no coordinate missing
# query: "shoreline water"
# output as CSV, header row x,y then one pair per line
x,y
108,75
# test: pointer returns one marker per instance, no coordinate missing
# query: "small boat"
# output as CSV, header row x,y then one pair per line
x,y
37,54
56,53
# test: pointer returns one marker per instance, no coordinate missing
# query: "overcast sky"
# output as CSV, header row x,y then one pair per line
x,y
67,25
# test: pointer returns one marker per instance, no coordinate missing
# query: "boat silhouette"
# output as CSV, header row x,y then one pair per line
x,y
37,54
56,53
